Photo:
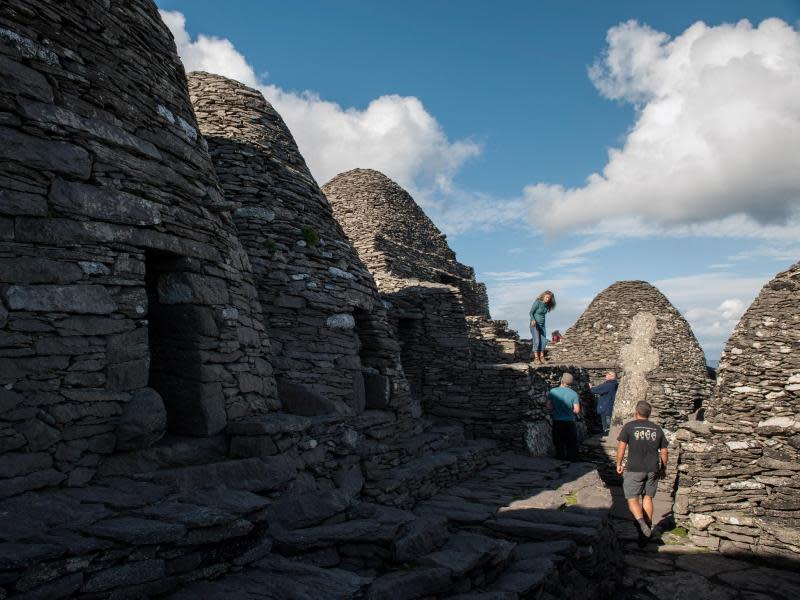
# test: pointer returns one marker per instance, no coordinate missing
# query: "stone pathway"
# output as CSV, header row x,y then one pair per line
x,y
520,528
670,567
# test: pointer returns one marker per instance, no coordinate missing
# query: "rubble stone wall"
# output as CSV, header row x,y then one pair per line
x,y
328,327
739,483
677,385
115,248
470,368
396,239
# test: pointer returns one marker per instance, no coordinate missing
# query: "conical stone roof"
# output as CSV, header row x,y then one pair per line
x,y
321,306
608,335
124,303
740,466
396,239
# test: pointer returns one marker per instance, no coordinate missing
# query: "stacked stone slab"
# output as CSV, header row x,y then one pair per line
x,y
460,363
128,308
122,280
632,328
330,336
739,478
397,240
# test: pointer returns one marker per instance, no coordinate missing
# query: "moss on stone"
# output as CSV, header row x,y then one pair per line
x,y
310,236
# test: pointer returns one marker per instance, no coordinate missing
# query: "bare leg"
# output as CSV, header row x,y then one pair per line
x,y
635,506
647,505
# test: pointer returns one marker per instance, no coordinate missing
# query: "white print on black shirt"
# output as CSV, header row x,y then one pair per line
x,y
645,434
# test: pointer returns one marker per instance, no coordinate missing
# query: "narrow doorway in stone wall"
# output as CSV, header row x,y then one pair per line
x,y
371,384
411,335
175,329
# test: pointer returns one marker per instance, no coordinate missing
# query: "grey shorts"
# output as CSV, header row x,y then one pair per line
x,y
636,484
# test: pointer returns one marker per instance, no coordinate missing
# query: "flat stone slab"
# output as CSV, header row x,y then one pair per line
x,y
348,532
276,578
687,586
710,565
542,531
781,584
465,552
133,530
406,585
526,577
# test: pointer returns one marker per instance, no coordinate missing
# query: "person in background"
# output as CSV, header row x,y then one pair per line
x,y
563,404
647,463
544,303
556,337
606,392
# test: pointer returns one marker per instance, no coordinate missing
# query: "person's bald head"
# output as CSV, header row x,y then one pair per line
x,y
611,375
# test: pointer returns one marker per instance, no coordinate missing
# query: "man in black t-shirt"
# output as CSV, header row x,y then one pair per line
x,y
647,463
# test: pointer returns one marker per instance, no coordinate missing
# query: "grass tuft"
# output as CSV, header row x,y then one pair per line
x,y
310,236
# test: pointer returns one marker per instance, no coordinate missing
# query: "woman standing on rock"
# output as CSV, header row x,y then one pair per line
x,y
544,303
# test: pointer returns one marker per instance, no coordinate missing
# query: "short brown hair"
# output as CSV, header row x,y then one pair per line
x,y
644,409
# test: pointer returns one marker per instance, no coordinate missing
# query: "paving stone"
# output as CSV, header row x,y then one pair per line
x,y
124,575
134,530
277,578
414,583
419,537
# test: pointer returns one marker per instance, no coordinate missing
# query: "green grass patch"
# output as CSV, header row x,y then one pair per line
x,y
310,236
270,246
571,500
679,531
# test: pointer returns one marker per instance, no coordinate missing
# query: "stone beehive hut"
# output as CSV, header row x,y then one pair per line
x,y
332,347
121,276
142,443
740,473
458,361
632,328
397,240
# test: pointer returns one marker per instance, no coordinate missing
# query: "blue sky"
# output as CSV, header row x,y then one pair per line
x,y
488,114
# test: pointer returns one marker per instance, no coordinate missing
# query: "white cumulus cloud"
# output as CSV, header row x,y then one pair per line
x,y
393,134
715,149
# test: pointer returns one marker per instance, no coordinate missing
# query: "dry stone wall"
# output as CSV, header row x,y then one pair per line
x,y
127,300
144,437
396,239
739,484
632,328
462,364
333,351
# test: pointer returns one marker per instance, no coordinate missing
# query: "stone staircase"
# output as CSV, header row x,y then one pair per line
x,y
302,507
520,528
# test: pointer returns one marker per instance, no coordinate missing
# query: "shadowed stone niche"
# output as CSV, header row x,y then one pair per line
x,y
121,275
739,477
328,326
631,328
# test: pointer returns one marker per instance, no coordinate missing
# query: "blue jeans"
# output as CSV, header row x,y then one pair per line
x,y
537,337
605,421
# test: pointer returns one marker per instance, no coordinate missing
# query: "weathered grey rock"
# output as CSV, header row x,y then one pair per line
x,y
299,400
87,299
275,577
406,585
125,575
418,538
738,477
143,421
134,530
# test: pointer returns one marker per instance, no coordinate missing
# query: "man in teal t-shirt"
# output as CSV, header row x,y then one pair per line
x,y
563,404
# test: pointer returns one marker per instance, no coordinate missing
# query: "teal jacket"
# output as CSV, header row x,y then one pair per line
x,y
539,312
